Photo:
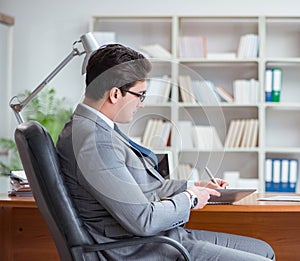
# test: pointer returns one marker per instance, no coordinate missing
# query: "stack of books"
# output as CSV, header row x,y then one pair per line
x,y
207,93
273,82
193,91
206,137
19,184
202,137
281,175
246,91
156,134
248,46
192,47
158,90
242,133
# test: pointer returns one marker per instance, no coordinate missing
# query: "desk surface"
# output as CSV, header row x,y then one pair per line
x,y
250,203
7,201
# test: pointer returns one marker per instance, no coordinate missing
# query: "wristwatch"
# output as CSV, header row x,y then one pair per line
x,y
193,198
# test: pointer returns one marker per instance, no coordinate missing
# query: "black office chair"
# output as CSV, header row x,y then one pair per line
x,y
41,165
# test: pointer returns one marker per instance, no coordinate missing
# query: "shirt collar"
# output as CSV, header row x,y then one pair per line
x,y
101,115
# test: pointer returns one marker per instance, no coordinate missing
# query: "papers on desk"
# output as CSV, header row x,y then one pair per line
x,y
281,198
19,184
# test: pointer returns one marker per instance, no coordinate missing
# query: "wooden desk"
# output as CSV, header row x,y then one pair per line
x,y
277,223
25,236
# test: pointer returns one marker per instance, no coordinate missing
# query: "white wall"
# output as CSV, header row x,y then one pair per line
x,y
45,30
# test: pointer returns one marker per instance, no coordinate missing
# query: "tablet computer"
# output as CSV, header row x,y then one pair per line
x,y
229,196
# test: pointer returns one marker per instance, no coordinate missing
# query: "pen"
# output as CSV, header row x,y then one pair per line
x,y
212,178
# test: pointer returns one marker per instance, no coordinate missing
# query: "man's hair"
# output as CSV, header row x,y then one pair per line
x,y
114,65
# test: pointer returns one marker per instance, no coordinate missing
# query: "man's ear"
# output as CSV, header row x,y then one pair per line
x,y
114,95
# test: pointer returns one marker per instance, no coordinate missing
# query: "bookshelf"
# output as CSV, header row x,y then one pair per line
x,y
222,62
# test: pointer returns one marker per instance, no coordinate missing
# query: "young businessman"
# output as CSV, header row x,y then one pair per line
x,y
114,182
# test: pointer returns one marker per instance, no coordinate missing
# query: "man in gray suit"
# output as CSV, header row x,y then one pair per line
x,y
114,182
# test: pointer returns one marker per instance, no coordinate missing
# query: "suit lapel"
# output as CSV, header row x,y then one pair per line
x,y
146,161
84,112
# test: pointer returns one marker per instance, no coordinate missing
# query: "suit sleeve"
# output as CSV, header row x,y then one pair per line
x,y
171,187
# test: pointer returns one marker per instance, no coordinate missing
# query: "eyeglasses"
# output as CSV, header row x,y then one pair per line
x,y
141,96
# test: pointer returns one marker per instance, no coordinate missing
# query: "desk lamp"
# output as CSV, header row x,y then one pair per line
x,y
89,45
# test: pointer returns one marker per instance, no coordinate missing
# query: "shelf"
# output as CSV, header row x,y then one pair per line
x,y
279,46
227,150
283,150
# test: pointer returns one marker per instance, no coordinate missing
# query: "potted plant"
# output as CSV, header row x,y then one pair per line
x,y
50,111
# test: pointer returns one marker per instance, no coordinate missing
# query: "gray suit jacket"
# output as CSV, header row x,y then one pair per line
x,y
117,191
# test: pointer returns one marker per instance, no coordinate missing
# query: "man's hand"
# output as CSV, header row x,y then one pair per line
x,y
209,184
203,194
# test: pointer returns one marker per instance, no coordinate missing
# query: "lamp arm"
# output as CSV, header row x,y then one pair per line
x,y
18,107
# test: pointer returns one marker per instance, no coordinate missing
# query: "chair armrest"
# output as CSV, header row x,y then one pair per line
x,y
130,242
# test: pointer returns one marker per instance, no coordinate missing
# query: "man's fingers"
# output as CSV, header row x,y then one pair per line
x,y
214,192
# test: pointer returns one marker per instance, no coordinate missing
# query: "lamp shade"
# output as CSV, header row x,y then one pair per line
x,y
90,45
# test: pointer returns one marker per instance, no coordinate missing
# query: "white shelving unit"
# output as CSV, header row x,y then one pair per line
x,y
279,46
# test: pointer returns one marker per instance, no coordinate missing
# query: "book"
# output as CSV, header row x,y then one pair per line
x,y
268,175
268,84
276,174
239,133
148,132
284,177
186,89
277,82
254,136
229,140
226,96
249,133
156,51
244,141
293,175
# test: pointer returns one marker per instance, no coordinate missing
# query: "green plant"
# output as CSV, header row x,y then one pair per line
x,y
50,111
12,162
47,109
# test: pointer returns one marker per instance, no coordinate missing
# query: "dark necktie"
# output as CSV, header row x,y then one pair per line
x,y
144,151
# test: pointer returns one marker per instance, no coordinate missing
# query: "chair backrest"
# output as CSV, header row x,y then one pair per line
x,y
41,165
